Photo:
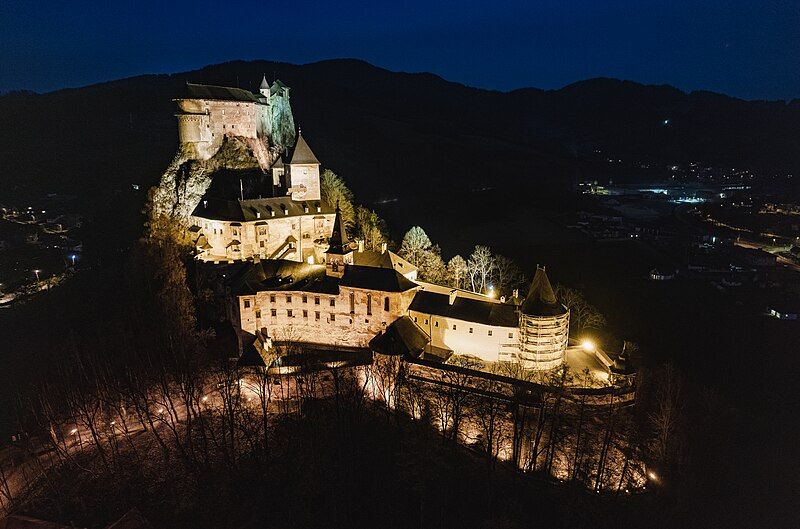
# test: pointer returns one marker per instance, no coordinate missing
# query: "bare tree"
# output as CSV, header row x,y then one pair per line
x,y
507,275
583,316
480,265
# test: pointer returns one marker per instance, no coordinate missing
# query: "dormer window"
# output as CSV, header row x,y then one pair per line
x,y
319,208
285,211
305,208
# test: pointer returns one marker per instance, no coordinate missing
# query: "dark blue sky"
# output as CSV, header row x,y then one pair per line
x,y
749,49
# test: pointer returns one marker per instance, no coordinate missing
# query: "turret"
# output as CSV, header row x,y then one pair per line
x,y
544,325
264,88
339,252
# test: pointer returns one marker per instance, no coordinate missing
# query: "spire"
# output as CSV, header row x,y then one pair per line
x,y
541,300
302,152
264,83
339,242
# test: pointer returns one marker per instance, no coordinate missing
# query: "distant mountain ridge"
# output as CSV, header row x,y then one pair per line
x,y
395,134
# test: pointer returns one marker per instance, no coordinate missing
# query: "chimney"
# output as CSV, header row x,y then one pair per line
x,y
360,245
383,247
453,295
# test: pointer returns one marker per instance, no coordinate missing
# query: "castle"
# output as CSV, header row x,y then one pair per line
x,y
206,114
294,276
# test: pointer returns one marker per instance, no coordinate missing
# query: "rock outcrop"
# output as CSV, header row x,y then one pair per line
x,y
186,180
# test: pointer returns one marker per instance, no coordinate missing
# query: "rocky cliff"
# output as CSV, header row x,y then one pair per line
x,y
186,180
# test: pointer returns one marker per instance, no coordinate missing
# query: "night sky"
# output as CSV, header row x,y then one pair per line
x,y
749,49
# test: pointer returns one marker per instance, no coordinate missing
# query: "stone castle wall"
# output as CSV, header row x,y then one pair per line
x,y
327,319
203,123
264,238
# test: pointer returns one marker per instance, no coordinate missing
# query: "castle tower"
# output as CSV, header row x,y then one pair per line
x,y
264,88
303,172
544,326
339,252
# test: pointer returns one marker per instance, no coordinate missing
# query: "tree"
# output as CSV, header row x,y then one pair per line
x,y
457,272
418,250
480,265
415,244
507,275
583,316
370,228
335,192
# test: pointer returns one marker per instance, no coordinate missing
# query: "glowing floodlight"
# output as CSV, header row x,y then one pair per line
x,y
588,345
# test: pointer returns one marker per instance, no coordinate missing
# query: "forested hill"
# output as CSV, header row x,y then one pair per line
x,y
395,134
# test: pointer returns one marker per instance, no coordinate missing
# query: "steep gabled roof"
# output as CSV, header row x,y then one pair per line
x,y
486,312
264,83
387,259
541,300
224,93
402,337
302,153
338,242
371,278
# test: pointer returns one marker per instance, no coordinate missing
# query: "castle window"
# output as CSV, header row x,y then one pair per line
x,y
288,299
273,312
272,298
426,321
305,313
305,208
305,298
258,314
333,302
511,335
415,319
333,316
335,266
435,323
289,313
261,244
454,326
490,332
369,304
470,330
386,303
247,303
352,302
316,300
316,315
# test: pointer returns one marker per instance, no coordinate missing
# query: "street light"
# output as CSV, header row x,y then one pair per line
x,y
588,345
73,259
37,274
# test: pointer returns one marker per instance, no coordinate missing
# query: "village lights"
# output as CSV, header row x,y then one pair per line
x,y
588,345
37,271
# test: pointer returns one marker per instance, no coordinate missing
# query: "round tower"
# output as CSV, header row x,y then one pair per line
x,y
544,326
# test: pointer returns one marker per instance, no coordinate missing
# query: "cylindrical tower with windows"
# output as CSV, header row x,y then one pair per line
x,y
544,326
